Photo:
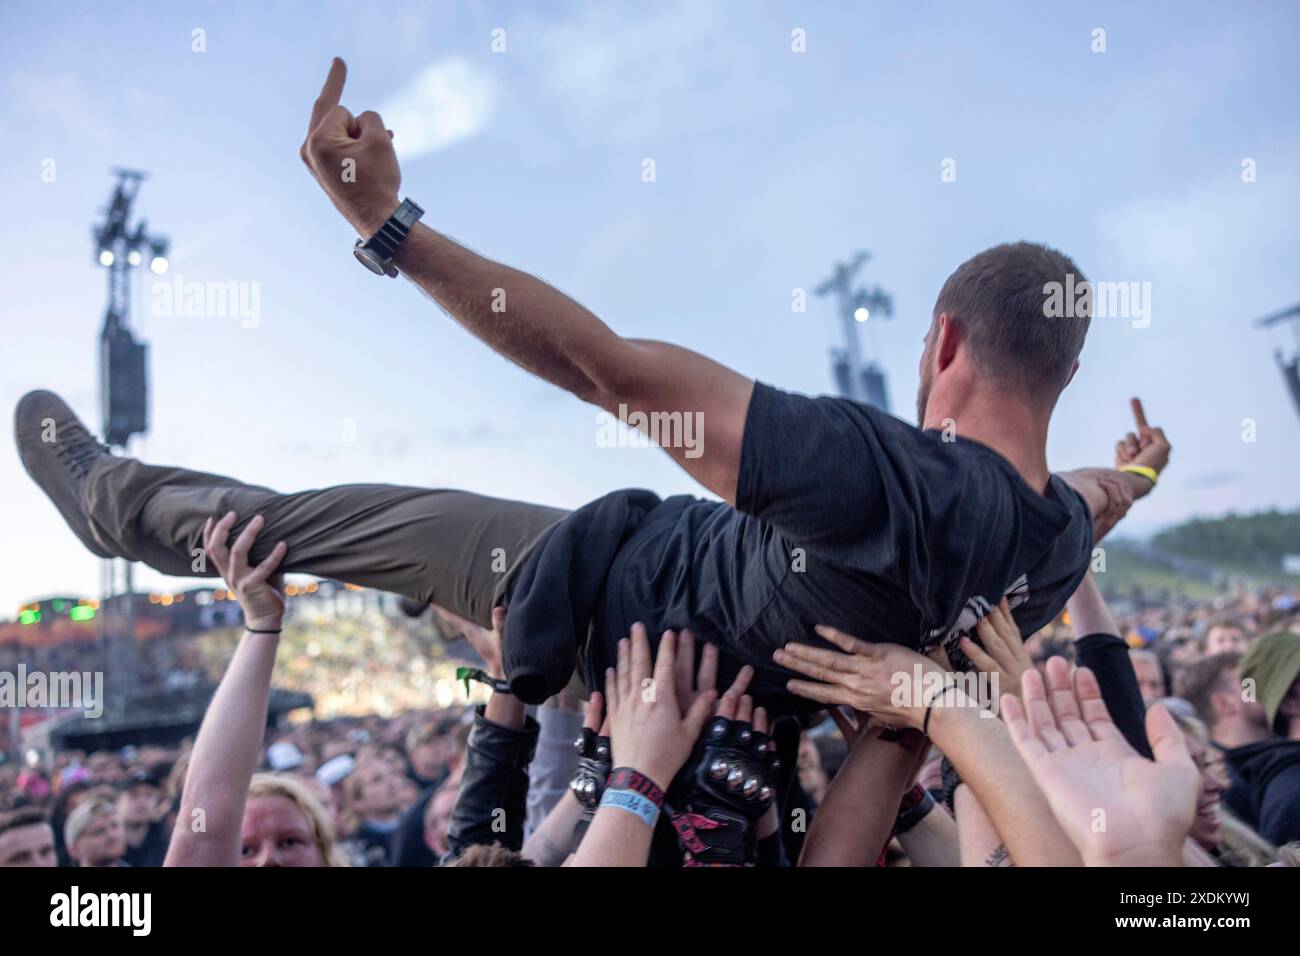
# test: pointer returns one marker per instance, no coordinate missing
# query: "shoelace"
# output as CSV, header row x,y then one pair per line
x,y
80,451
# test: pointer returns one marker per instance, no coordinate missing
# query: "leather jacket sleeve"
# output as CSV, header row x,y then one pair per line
x,y
494,786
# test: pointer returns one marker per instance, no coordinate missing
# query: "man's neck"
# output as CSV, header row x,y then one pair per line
x,y
1014,431
1231,733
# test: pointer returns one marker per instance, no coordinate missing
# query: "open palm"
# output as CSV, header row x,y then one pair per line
x,y
1117,807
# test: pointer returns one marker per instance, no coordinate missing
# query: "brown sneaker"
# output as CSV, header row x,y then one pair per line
x,y
57,450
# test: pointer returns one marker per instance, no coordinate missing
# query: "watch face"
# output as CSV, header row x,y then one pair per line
x,y
370,260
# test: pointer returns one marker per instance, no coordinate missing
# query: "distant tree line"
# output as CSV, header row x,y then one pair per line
x,y
1258,540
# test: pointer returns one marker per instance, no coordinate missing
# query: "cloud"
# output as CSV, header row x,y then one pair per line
x,y
449,101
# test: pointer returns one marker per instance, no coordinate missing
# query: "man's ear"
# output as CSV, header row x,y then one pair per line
x,y
949,338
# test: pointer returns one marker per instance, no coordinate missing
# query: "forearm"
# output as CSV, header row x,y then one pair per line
x,y
529,322
933,841
1088,611
983,754
552,842
979,840
857,816
225,756
615,838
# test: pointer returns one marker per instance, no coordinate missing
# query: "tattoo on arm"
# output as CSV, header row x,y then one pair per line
x,y
999,857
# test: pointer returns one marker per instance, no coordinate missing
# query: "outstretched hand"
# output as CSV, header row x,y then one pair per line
x,y
1117,807
648,731
258,591
352,157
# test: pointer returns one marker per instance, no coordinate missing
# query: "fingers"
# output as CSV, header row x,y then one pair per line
x,y
1168,745
611,691
761,723
665,665
498,619
740,684
977,656
745,710
369,122
623,663
685,662
1039,714
701,707
939,654
243,544
642,667
827,694
1060,697
1139,414
815,662
218,550
845,642
1093,707
707,678
1022,735
269,564
330,93
591,715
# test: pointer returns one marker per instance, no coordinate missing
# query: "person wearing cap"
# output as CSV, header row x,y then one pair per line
x,y
94,836
138,799
1272,663
1243,700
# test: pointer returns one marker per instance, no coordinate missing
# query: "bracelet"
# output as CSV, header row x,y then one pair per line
x,y
625,778
478,675
1145,471
916,805
925,726
634,803
254,630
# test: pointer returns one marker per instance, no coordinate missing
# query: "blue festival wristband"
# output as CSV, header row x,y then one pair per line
x,y
635,803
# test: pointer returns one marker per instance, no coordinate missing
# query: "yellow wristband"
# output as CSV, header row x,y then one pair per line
x,y
1146,471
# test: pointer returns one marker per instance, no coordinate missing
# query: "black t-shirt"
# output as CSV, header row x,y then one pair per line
x,y
849,517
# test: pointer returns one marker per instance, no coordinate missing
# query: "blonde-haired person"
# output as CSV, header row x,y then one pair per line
x,y
284,824
1228,840
227,816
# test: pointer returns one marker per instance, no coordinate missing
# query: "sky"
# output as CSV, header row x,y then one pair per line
x,y
921,132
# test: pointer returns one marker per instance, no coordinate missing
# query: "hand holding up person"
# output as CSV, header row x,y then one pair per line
x,y
860,675
651,739
258,591
1003,652
1117,807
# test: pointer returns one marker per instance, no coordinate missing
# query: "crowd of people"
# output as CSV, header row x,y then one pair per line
x,y
1210,689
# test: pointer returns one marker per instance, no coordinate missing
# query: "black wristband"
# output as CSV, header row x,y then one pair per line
x,y
254,630
917,803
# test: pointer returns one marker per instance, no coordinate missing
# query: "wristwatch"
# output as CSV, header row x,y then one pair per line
x,y
376,253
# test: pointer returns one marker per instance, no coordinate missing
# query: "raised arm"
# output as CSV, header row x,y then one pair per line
x,y
229,743
521,317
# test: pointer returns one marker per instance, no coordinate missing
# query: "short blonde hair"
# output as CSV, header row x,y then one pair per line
x,y
293,790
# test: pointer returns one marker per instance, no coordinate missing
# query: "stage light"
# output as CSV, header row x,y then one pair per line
x,y
861,314
29,617
133,258
158,264
82,612
106,257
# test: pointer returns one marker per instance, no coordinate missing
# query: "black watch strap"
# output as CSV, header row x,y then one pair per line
x,y
396,228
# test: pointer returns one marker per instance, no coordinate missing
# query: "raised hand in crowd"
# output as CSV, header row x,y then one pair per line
x,y
1117,807
1003,652
229,742
651,739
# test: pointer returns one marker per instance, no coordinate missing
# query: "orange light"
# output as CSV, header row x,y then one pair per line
x,y
166,600
291,590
